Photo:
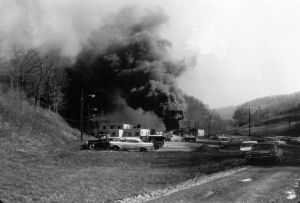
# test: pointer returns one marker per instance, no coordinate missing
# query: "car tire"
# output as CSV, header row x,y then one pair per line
x,y
92,146
278,160
115,148
143,149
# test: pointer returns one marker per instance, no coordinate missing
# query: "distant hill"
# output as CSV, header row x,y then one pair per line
x,y
226,113
280,102
267,113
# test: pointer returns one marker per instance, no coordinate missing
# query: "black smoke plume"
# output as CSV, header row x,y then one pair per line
x,y
135,65
125,114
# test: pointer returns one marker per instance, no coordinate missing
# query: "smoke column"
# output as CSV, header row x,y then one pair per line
x,y
114,51
135,65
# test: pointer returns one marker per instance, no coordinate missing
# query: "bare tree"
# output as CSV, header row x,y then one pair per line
x,y
39,76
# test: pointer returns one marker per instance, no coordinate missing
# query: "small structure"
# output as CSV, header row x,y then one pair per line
x,y
114,125
136,132
113,129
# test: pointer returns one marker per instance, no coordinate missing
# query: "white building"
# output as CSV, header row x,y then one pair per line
x,y
122,130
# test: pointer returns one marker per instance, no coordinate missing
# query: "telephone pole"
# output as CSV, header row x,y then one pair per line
x,y
249,117
81,113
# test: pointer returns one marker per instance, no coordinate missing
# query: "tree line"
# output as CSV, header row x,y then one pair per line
x,y
44,79
38,77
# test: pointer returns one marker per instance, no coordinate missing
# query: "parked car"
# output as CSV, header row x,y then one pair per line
x,y
280,142
189,138
224,140
102,143
131,144
265,151
292,140
176,138
246,146
157,140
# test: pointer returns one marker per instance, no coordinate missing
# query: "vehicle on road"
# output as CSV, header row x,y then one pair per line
x,y
131,144
101,143
291,140
279,140
189,138
264,152
157,140
246,146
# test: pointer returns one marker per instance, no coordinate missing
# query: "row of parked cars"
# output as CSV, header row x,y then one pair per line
x,y
127,143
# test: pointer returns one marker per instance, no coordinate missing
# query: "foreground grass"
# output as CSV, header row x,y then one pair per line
x,y
85,176
40,161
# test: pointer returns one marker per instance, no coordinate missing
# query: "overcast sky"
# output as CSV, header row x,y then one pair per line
x,y
244,49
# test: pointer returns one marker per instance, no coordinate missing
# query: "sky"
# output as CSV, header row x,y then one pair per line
x,y
247,50
244,48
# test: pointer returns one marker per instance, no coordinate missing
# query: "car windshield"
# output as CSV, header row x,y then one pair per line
x,y
263,147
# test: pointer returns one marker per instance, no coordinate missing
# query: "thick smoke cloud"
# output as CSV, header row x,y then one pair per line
x,y
134,64
123,113
113,50
64,25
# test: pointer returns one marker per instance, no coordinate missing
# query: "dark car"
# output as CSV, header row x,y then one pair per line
x,y
102,143
157,140
265,152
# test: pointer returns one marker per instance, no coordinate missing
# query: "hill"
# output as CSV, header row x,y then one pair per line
x,y
278,115
31,129
267,108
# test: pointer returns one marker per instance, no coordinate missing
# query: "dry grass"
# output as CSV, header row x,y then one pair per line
x,y
101,176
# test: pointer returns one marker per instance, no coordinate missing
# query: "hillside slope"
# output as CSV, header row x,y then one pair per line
x,y
285,101
29,129
271,109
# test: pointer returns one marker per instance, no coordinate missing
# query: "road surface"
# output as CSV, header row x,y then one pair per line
x,y
255,184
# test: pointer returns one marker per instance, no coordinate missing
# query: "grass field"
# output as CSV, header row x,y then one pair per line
x,y
40,161
98,176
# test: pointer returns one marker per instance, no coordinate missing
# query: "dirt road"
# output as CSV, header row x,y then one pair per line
x,y
255,184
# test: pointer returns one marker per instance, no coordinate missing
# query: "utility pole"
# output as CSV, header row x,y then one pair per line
x,y
249,114
81,113
209,124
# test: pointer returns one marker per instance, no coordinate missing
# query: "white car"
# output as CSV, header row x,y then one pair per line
x,y
246,146
131,144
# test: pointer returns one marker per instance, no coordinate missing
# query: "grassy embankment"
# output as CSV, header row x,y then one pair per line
x,y
41,162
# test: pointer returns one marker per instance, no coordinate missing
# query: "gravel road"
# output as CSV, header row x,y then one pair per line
x,y
255,184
